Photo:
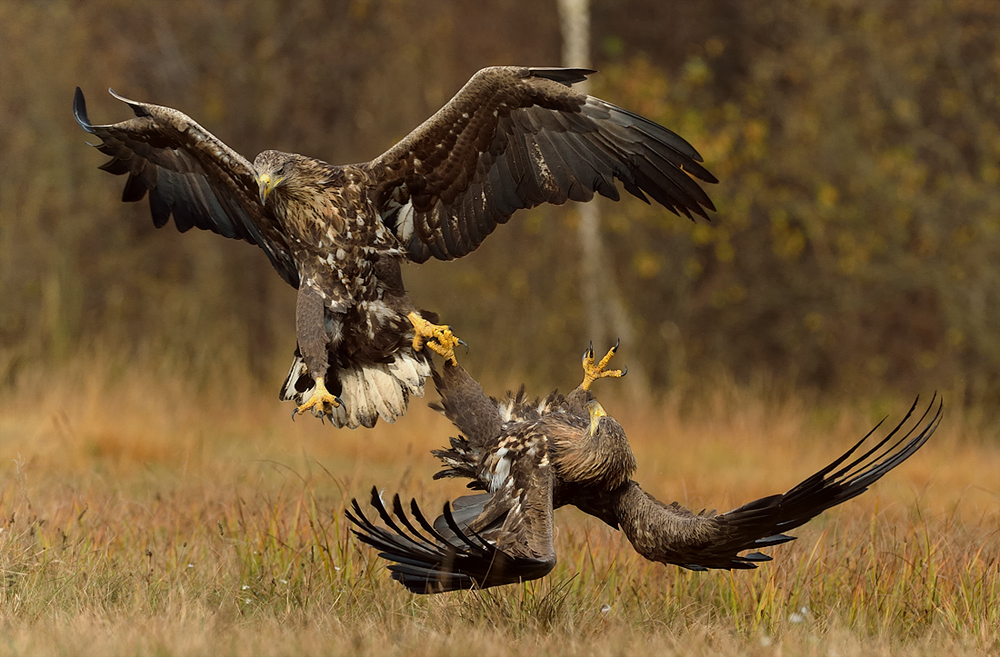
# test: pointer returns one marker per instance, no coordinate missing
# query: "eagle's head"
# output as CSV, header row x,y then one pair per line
x,y
275,170
599,418
604,428
612,451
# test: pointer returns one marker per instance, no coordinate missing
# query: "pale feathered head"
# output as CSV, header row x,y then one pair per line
x,y
276,170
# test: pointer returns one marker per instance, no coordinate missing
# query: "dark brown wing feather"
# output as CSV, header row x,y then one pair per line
x,y
514,138
488,539
673,534
190,175
464,402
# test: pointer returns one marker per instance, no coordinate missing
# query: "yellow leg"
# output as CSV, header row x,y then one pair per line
x,y
438,339
321,397
592,372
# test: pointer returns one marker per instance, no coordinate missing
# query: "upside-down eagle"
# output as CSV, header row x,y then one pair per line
x,y
532,457
511,138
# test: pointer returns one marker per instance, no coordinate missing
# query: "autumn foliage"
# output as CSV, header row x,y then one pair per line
x,y
854,252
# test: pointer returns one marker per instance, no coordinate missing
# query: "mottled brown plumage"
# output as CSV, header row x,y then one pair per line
x,y
504,535
512,138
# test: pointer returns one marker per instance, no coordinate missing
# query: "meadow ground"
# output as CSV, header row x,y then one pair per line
x,y
139,518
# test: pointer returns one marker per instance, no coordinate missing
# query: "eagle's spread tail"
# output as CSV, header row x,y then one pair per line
x,y
450,555
369,392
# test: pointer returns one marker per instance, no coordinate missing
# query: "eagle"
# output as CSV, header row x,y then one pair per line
x,y
511,138
532,457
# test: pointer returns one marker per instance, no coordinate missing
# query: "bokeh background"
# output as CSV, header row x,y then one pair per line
x,y
155,498
856,250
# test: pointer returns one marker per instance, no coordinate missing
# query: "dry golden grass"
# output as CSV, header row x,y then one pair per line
x,y
140,518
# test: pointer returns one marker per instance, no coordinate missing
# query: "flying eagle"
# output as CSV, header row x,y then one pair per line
x,y
511,138
533,457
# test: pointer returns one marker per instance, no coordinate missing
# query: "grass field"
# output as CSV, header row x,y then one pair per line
x,y
138,518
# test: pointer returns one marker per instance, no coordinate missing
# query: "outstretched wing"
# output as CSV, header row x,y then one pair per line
x,y
190,174
514,138
464,402
479,541
672,534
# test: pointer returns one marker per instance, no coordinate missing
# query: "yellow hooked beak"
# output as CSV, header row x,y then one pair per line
x,y
265,184
596,413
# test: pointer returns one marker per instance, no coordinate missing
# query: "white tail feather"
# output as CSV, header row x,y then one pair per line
x,y
359,409
412,372
390,390
368,392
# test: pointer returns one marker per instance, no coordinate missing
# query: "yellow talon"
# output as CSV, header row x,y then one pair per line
x,y
592,372
319,400
438,338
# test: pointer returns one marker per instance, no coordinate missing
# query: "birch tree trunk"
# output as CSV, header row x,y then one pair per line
x,y
607,317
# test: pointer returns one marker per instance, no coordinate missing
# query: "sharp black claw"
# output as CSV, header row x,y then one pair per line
x,y
295,411
590,351
614,349
340,402
625,371
464,344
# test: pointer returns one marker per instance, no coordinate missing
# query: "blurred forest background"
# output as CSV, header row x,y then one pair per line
x,y
856,250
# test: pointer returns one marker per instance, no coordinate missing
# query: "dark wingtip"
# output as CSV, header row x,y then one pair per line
x,y
775,539
80,111
693,566
566,76
138,109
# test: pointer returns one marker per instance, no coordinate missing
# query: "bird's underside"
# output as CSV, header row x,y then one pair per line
x,y
512,138
521,454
